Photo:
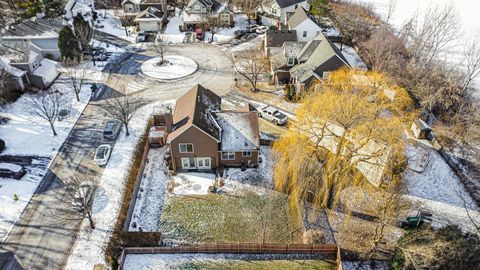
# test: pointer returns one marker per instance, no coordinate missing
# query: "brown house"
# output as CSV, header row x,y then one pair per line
x,y
203,137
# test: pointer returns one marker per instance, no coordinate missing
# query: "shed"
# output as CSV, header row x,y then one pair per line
x,y
421,130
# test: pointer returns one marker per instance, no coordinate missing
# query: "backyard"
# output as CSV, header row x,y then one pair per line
x,y
244,216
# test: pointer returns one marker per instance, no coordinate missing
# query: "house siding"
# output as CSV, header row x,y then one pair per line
x,y
312,29
285,10
239,160
203,146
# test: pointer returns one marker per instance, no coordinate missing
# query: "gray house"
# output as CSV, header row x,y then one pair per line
x,y
15,78
316,60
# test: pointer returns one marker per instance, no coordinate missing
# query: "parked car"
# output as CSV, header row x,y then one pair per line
x,y
273,115
99,50
140,37
248,37
239,33
112,129
261,30
83,195
100,57
13,171
252,28
102,154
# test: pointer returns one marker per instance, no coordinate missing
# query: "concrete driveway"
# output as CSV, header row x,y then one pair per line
x,y
43,237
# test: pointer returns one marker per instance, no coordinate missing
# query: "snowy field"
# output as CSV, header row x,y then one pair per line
x,y
220,261
172,31
28,136
110,24
89,249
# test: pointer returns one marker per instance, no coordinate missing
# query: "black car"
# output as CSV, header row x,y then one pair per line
x,y
239,33
112,129
14,171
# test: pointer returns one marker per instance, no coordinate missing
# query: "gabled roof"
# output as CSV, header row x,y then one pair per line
x,y
34,28
5,65
16,51
150,14
287,3
324,51
195,108
240,130
276,38
299,17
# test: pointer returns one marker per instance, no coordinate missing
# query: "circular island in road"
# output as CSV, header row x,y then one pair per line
x,y
172,67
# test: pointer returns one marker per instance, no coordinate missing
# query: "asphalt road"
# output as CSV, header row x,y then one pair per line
x,y
42,238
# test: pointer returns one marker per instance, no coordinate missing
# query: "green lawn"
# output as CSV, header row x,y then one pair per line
x,y
245,217
259,265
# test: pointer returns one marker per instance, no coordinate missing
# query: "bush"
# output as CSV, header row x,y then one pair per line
x,y
15,197
313,237
2,145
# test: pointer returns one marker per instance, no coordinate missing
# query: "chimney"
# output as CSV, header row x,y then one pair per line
x,y
168,121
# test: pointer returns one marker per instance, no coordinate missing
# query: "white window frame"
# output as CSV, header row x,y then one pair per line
x,y
305,34
326,75
187,160
186,148
229,153
204,161
246,153
291,61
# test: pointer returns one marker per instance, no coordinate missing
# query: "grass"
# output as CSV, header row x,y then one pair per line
x,y
259,265
246,217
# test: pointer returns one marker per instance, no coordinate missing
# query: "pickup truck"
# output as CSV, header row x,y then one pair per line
x,y
273,115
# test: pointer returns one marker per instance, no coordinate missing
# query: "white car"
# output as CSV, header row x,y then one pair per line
x,y
261,30
273,115
102,154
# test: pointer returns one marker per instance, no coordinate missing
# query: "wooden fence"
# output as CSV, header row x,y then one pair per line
x,y
239,248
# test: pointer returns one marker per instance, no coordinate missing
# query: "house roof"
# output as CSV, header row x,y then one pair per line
x,y
195,108
323,51
278,59
5,65
287,3
299,17
240,130
150,14
34,28
276,38
16,51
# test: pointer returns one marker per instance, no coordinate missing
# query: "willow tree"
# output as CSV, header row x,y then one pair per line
x,y
347,134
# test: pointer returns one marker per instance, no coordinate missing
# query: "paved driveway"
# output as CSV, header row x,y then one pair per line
x,y
42,239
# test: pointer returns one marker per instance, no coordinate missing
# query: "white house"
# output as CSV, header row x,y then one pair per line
x,y
86,8
150,20
306,26
279,11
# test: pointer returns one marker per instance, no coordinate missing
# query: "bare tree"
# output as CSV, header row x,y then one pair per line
x,y
471,62
392,4
162,46
124,19
83,32
78,75
249,64
78,196
433,34
46,105
123,108
249,7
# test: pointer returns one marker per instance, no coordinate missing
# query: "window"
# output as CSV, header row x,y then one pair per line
x,y
188,163
296,6
291,62
186,147
246,153
228,155
318,33
304,33
326,75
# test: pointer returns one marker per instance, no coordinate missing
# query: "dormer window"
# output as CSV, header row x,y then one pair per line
x,y
34,64
290,61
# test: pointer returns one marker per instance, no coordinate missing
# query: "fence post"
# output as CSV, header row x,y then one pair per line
x,y
173,249
238,247
288,247
313,246
261,248
216,247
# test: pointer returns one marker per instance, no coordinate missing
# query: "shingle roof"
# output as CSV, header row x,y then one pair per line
x,y
194,109
324,50
34,28
287,3
276,38
298,17
151,13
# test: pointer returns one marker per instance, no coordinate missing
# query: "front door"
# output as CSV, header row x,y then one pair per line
x,y
203,164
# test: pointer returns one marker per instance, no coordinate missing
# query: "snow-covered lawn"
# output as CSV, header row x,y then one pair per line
x,y
112,25
176,67
438,190
172,31
149,201
224,35
29,135
89,249
223,261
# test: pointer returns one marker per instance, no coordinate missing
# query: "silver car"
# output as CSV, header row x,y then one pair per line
x,y
102,154
273,115
112,129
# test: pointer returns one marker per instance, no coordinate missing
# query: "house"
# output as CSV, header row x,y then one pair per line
x,y
133,7
274,40
15,78
22,55
316,60
150,20
203,137
201,14
306,25
42,34
86,8
282,61
277,12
